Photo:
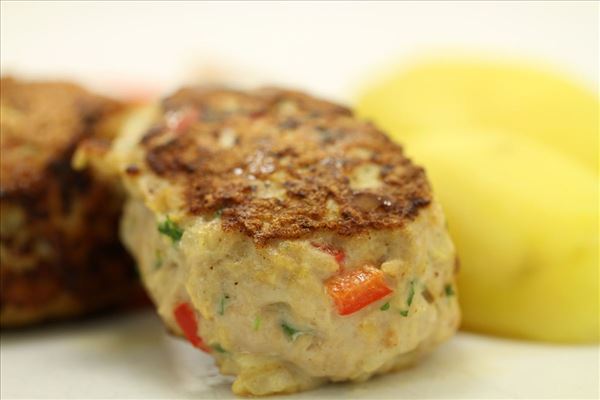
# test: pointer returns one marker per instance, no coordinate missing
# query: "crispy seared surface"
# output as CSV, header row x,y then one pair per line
x,y
280,164
58,231
40,124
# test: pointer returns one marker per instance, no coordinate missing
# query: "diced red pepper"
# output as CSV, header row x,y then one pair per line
x,y
180,121
338,254
186,319
135,92
356,289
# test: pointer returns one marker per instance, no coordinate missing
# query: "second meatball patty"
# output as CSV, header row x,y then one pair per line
x,y
59,247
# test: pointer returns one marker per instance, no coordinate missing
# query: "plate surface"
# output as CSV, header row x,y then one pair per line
x,y
131,356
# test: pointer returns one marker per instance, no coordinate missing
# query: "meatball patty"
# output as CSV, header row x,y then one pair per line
x,y
58,233
293,242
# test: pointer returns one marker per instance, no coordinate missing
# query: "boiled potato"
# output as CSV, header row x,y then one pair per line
x,y
524,218
465,93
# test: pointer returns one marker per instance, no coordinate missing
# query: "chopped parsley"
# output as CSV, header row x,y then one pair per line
x,y
291,332
222,304
404,313
385,307
257,322
170,229
449,290
411,293
218,348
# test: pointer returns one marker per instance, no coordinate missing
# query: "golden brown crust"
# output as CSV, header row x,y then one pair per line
x,y
40,125
59,227
279,164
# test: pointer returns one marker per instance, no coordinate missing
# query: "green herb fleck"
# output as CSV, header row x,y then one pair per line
x,y
385,307
218,213
411,293
404,313
158,260
449,290
257,322
170,229
217,347
222,304
291,332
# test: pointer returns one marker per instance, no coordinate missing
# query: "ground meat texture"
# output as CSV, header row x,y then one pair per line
x,y
290,240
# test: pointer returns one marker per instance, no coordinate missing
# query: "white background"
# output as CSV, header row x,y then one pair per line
x,y
325,48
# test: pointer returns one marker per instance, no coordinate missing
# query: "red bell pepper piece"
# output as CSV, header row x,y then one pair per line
x,y
180,121
356,289
186,319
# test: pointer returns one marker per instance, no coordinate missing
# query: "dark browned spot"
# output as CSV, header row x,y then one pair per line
x,y
427,295
132,170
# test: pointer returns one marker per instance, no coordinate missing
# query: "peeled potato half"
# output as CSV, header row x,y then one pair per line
x,y
512,151
525,222
515,97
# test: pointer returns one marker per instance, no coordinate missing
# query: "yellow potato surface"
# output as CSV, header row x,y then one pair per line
x,y
464,93
524,218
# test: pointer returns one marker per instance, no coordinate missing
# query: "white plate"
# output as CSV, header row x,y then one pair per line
x,y
131,356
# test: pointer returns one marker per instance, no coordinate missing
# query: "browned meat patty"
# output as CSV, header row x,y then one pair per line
x,y
60,254
292,241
